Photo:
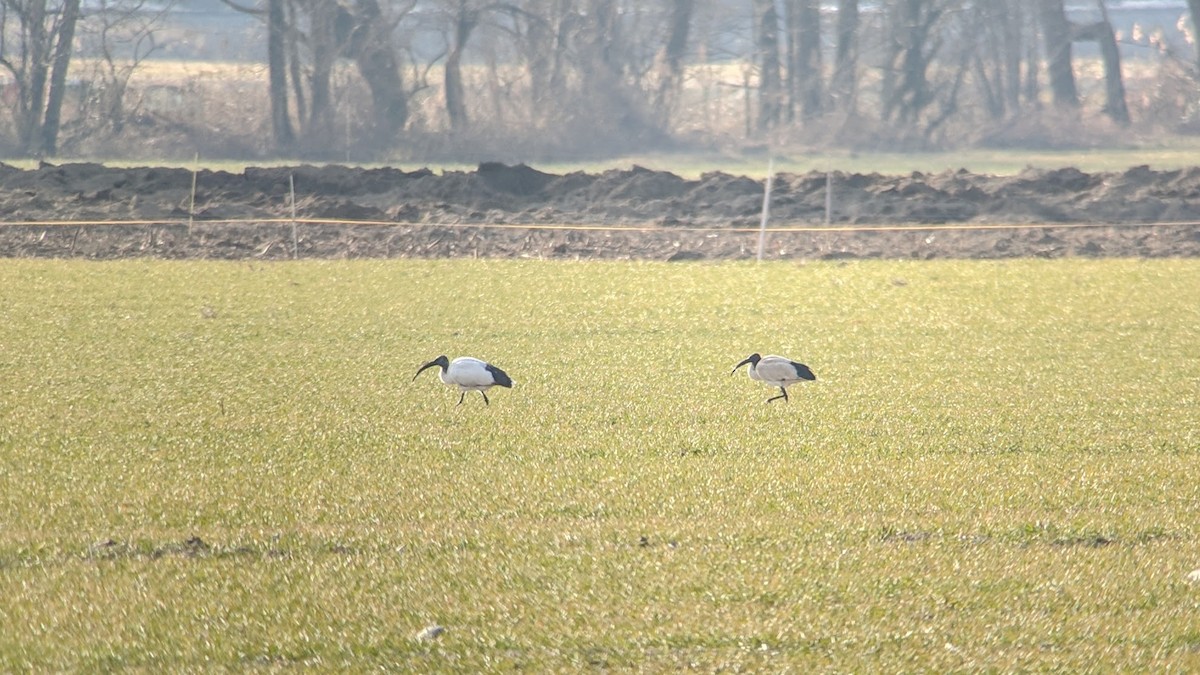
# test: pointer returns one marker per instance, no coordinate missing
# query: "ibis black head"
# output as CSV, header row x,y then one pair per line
x,y
753,358
441,361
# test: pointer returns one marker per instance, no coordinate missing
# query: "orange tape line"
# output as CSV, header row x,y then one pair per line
x,y
591,228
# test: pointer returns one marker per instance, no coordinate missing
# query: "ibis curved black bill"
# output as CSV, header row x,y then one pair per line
x,y
753,358
441,361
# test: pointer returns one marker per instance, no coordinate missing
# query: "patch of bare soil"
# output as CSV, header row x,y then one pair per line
x,y
1138,212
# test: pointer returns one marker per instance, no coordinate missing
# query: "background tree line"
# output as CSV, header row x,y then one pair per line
x,y
566,77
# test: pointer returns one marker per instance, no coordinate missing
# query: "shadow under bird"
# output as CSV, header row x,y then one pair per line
x,y
468,374
776,371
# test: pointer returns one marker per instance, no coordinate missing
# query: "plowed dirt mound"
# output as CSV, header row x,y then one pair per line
x,y
420,213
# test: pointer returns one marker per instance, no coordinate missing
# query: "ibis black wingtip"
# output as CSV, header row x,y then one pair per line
x,y
499,376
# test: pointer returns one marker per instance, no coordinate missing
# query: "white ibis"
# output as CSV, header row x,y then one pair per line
x,y
776,371
468,374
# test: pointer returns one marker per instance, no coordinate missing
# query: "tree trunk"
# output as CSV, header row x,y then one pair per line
x,y
912,28
378,65
914,87
389,102
993,103
1114,86
673,53
1031,85
604,67
791,54
1194,11
677,42
543,47
769,84
63,47
281,123
804,52
456,106
1056,32
844,83
597,36
996,56
1013,16
537,46
323,42
32,89
115,104
293,63
988,81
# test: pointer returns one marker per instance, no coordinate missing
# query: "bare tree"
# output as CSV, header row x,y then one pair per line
x,y
1059,34
38,63
602,68
673,53
540,34
462,18
614,60
1056,34
770,85
370,45
58,77
1101,32
805,90
843,84
123,34
914,42
607,75
305,38
996,59
277,35
1194,12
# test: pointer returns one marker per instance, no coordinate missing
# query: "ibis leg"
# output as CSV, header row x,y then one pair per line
x,y
460,398
484,395
783,396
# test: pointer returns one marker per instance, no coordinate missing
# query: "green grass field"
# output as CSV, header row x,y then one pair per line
x,y
213,465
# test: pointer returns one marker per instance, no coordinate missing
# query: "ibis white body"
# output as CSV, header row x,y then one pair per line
x,y
777,371
468,374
